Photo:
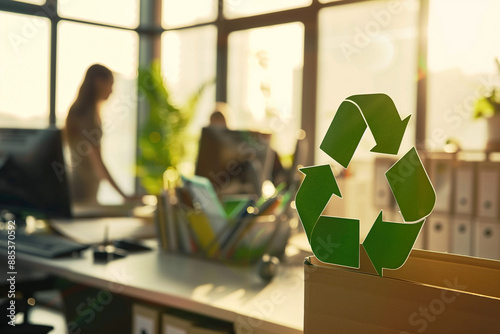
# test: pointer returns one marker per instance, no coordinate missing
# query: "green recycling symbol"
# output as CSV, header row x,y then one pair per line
x,y
336,239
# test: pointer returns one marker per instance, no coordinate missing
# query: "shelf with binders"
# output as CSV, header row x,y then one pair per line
x,y
192,220
466,218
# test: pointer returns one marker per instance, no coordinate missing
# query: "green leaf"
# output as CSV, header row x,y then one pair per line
x,y
161,140
483,108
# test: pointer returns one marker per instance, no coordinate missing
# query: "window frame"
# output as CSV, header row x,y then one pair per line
x,y
308,16
150,30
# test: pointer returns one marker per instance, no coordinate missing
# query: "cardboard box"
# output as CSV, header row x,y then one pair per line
x,y
432,293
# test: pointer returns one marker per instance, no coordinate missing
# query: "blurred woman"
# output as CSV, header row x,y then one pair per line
x,y
83,134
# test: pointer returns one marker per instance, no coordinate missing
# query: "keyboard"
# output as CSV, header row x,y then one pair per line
x,y
48,246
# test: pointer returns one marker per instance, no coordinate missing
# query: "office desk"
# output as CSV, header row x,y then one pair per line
x,y
234,294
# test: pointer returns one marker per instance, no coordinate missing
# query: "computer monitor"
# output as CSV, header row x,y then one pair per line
x,y
32,173
236,162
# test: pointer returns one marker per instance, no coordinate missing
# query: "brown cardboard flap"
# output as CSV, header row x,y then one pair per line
x,y
479,276
433,293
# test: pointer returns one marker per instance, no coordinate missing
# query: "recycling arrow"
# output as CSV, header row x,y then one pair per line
x,y
411,187
336,239
320,181
388,244
378,112
333,239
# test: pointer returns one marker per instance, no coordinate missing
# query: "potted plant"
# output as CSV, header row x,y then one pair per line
x,y
163,138
488,107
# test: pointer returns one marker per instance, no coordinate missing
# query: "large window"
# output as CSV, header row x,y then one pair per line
x,y
367,48
461,68
258,63
188,62
265,81
81,45
31,62
113,12
186,12
273,70
24,70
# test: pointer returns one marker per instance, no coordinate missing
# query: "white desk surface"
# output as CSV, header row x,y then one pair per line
x,y
234,294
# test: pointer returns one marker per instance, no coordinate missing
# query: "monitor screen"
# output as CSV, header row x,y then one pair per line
x,y
236,162
32,173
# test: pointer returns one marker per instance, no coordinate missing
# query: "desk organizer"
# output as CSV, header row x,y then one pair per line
x,y
183,227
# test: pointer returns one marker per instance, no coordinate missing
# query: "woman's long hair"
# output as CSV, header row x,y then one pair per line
x,y
86,100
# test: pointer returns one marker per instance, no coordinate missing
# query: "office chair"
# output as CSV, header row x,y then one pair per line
x,y
26,290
